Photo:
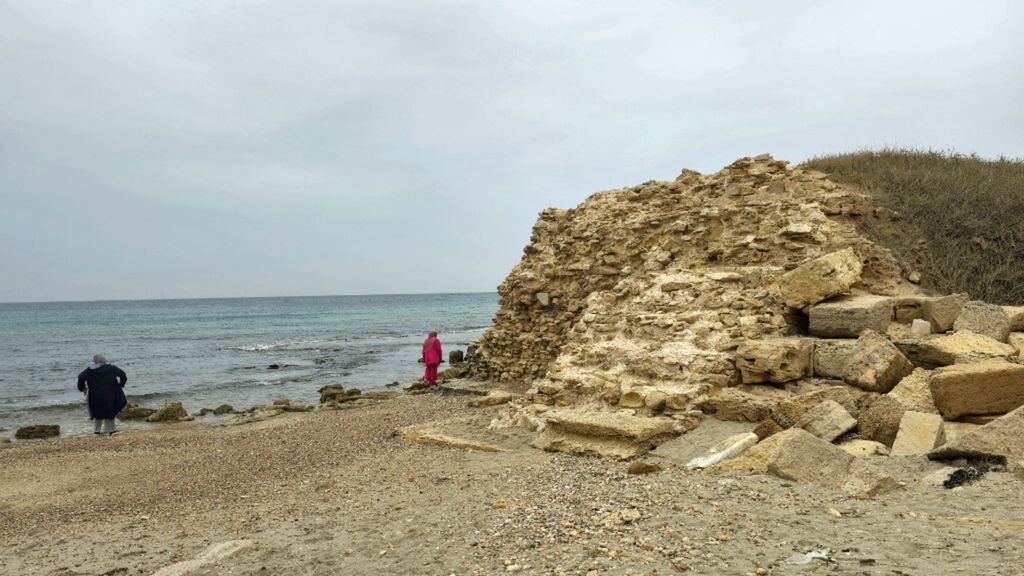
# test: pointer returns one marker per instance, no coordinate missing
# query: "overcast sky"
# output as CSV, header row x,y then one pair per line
x,y
154,149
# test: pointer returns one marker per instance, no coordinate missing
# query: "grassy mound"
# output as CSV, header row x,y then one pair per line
x,y
959,220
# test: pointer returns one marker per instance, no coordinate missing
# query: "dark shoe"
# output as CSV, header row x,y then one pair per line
x,y
97,433
114,432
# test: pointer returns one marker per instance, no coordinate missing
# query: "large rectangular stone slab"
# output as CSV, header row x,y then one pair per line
x,y
828,420
983,318
820,278
849,316
831,356
876,364
615,424
913,392
1003,438
919,433
803,457
962,347
552,439
988,387
943,311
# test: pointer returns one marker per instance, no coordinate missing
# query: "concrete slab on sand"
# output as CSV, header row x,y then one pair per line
x,y
699,440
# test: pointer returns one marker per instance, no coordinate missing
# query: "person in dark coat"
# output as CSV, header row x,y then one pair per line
x,y
103,385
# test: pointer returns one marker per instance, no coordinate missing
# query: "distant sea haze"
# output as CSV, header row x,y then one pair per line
x,y
209,352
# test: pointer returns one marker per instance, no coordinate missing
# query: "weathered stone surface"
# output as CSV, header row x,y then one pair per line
x,y
864,480
614,424
555,440
987,387
942,312
831,357
725,450
1016,340
767,428
331,393
803,457
427,435
171,412
906,309
37,431
849,316
914,392
776,360
983,318
919,433
957,429
880,421
224,409
1015,314
876,364
828,420
737,406
1002,438
920,328
820,278
788,412
961,347
493,398
862,448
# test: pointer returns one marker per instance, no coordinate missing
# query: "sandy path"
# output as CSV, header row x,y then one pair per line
x,y
337,493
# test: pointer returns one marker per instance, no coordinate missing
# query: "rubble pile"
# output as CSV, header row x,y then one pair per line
x,y
748,295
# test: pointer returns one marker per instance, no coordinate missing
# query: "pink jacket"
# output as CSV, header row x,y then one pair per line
x,y
431,351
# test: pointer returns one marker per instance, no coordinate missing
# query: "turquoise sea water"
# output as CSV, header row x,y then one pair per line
x,y
207,352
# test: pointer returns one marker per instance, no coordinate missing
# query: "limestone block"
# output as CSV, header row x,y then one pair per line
x,y
962,347
556,440
775,360
820,278
942,312
875,364
432,437
914,393
987,387
955,430
1002,438
906,309
983,318
920,328
831,356
828,420
1016,316
787,413
767,428
880,421
727,449
803,457
615,424
864,480
862,448
919,433
733,405
1016,340
849,316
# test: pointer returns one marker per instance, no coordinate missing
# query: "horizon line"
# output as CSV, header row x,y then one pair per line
x,y
108,300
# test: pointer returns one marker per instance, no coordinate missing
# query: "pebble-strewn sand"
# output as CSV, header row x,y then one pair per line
x,y
338,493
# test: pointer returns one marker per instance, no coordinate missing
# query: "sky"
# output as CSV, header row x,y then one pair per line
x,y
153,149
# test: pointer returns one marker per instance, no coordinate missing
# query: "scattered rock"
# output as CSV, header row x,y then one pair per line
x,y
1015,314
331,393
919,433
828,420
555,440
640,467
617,517
171,412
985,319
849,316
392,385
725,450
133,411
941,312
881,420
427,435
920,328
820,278
787,413
36,431
914,393
274,367
1001,439
774,360
767,428
987,387
493,398
831,357
861,448
876,364
224,409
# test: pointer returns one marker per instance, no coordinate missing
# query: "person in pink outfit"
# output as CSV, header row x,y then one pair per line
x,y
431,358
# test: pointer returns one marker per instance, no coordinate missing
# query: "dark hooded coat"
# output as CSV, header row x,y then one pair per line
x,y
103,386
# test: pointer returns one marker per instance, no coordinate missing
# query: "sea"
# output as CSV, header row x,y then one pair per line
x,y
204,353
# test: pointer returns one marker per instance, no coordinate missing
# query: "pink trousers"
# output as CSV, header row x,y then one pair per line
x,y
430,374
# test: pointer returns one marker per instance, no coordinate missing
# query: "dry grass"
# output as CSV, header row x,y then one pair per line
x,y
957,219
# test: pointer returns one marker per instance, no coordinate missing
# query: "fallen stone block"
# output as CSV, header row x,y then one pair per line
x,y
880,421
734,405
914,392
957,429
987,387
828,420
555,440
726,450
876,364
787,413
1002,439
430,436
983,318
820,278
493,398
614,424
866,481
37,431
942,312
862,448
831,356
803,457
1016,340
849,316
171,412
962,347
920,328
906,309
919,433
1015,314
775,360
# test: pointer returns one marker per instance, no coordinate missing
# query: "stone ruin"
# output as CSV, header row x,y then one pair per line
x,y
746,295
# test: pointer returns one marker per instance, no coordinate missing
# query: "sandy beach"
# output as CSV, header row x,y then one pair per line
x,y
337,492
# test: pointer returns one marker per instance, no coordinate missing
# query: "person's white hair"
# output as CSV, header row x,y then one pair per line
x,y
99,359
